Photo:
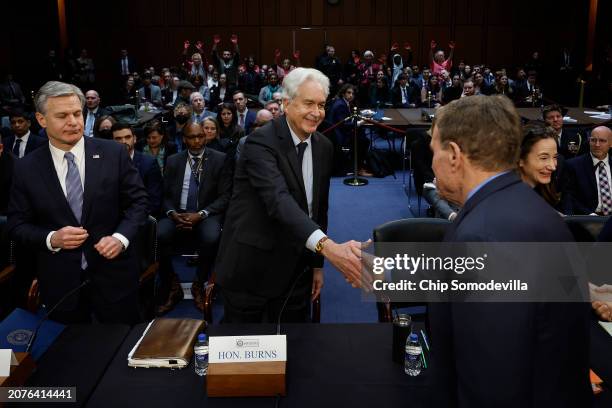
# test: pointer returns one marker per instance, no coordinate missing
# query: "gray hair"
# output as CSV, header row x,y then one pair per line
x,y
298,76
193,96
53,89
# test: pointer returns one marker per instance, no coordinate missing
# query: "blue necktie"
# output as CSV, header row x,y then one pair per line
x,y
16,147
192,193
74,193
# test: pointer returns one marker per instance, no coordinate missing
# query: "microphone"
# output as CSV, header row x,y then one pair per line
x,y
46,316
280,313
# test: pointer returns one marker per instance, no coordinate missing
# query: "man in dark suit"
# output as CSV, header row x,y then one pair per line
x,y
7,162
149,92
92,111
147,166
539,351
21,141
78,204
197,189
586,180
273,240
570,142
403,95
126,64
246,117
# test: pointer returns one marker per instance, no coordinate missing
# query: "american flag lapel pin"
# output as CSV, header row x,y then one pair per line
x,y
96,156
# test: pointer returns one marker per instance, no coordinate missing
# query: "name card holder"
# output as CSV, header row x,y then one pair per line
x,y
19,372
247,366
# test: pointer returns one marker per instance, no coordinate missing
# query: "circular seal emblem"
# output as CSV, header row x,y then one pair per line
x,y
239,343
19,337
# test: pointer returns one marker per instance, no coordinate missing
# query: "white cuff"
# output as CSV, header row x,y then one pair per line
x,y
48,241
123,240
314,239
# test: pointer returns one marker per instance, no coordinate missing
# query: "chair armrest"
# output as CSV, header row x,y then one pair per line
x,y
33,301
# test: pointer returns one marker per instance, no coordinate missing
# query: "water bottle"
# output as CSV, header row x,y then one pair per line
x,y
200,354
412,360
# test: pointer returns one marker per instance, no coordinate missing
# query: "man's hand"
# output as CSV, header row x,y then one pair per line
x,y
69,237
407,46
383,58
200,46
346,257
192,218
186,44
296,54
234,39
317,283
216,39
180,221
433,44
451,45
277,53
109,247
603,310
394,46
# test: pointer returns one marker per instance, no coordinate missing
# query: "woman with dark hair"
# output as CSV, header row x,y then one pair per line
x,y
200,86
379,93
102,127
228,125
538,162
220,93
351,72
128,92
431,94
156,143
502,86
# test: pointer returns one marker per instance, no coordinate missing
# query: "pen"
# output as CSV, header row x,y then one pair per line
x,y
423,357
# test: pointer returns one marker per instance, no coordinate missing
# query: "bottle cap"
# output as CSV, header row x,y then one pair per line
x,y
414,337
202,337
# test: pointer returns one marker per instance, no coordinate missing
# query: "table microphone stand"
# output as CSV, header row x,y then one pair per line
x,y
355,181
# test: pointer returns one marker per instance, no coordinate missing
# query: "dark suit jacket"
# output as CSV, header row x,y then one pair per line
x,y
131,65
579,194
267,224
114,200
215,99
215,183
538,351
576,137
34,142
339,111
248,120
151,177
396,95
7,161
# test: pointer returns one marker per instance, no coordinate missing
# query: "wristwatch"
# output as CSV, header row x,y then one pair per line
x,y
319,246
203,213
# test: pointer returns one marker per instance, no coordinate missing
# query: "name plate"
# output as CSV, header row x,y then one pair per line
x,y
247,349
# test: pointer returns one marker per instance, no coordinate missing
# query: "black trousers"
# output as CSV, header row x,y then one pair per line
x,y
245,307
93,304
205,235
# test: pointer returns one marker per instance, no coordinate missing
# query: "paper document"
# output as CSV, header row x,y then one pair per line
x,y
607,327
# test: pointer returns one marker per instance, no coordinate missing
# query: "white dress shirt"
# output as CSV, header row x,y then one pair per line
x,y
61,169
607,167
307,175
22,146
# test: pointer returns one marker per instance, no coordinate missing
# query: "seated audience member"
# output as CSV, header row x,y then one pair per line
x,y
450,93
246,117
431,94
198,105
282,69
502,86
438,60
213,77
423,173
127,94
570,142
266,92
102,127
480,86
149,92
379,94
445,79
228,125
91,112
212,138
538,163
174,131
403,94
170,92
184,89
147,166
530,92
201,86
197,189
229,61
274,107
468,88
157,144
6,177
220,93
249,80
263,116
21,140
11,95
586,186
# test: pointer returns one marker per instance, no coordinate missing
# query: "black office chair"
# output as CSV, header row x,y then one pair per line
x,y
407,230
585,228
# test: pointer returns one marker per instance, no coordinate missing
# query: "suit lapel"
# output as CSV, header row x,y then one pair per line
x,y
590,171
51,181
94,160
317,154
180,176
205,167
291,154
